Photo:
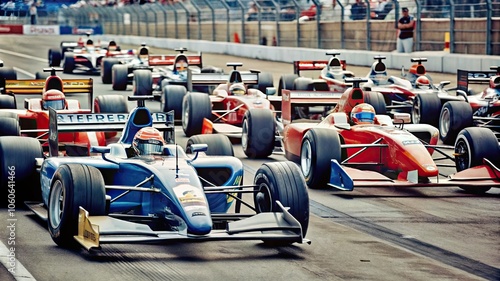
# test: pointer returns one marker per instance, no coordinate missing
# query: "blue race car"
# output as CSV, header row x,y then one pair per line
x,y
118,197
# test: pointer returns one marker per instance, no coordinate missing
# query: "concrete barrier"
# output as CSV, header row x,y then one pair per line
x,y
438,61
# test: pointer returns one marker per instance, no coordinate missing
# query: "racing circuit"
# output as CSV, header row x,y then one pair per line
x,y
367,234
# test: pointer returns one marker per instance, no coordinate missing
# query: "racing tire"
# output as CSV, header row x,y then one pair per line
x,y
265,81
376,100
287,82
219,145
73,186
171,99
41,75
282,181
69,63
455,116
195,108
7,101
119,77
471,147
107,66
258,133
17,164
110,104
143,82
425,109
55,57
6,73
303,84
9,126
319,147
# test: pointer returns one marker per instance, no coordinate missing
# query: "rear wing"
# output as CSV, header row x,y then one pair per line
x,y
292,99
156,60
466,77
101,122
219,78
36,86
299,66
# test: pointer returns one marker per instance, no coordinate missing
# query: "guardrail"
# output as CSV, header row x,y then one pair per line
x,y
472,26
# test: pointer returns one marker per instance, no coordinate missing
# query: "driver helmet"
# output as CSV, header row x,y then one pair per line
x,y
363,113
422,82
181,65
147,141
53,98
90,45
112,46
237,89
495,82
143,54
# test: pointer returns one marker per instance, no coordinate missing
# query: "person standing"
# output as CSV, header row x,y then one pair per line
x,y
406,24
33,12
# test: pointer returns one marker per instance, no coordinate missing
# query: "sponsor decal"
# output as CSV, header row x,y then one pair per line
x,y
409,142
158,117
11,28
41,29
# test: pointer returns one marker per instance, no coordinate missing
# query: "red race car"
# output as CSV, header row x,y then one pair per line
x,y
333,72
355,147
224,111
33,120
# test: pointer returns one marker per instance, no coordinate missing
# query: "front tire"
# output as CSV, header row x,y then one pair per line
x,y
69,63
471,147
106,71
55,57
143,82
73,186
258,133
319,147
455,116
281,181
287,82
217,144
171,99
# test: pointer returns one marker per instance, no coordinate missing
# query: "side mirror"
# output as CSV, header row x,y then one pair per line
x,y
270,91
463,94
202,147
100,149
444,83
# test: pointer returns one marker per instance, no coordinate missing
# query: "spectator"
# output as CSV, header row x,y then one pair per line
x,y
33,12
406,24
358,10
252,12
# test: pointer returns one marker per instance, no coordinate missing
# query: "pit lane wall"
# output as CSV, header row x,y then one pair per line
x,y
438,61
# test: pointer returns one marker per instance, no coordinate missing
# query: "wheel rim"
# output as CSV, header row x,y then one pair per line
x,y
416,111
444,123
244,135
462,158
185,119
263,199
306,157
56,203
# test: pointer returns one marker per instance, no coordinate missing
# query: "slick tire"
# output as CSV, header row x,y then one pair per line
x,y
258,133
73,186
376,99
9,126
69,63
425,109
106,69
7,101
55,57
455,116
171,99
195,108
282,181
17,165
219,145
119,77
319,147
287,82
143,82
110,104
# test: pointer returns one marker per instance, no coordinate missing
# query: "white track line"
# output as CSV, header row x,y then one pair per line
x,y
20,273
23,55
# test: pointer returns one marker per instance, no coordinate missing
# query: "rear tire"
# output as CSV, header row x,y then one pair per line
x,y
9,126
72,186
17,160
425,109
319,147
266,80
455,116
376,99
143,82
258,133
219,145
471,147
107,66
41,75
171,99
287,82
69,63
303,84
7,101
119,77
281,181
195,108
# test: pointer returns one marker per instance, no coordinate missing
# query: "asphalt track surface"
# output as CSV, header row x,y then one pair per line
x,y
367,234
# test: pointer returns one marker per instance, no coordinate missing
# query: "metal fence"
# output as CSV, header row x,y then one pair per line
x,y
473,26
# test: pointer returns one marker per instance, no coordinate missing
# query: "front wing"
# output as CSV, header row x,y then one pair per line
x,y
346,178
96,230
